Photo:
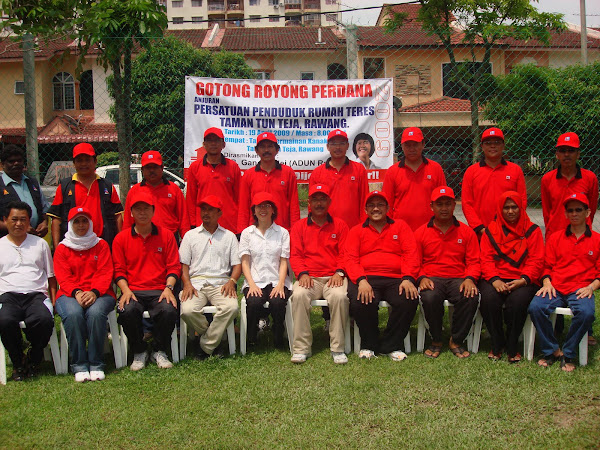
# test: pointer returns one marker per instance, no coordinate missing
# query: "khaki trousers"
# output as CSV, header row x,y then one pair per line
x,y
337,300
227,309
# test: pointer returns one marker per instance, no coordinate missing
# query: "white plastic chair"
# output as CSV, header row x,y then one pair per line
x,y
125,343
382,304
116,343
529,336
53,343
183,333
473,337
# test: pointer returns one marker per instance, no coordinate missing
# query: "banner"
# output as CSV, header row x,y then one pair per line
x,y
299,113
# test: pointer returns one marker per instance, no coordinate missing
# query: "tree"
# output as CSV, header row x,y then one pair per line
x,y
158,90
478,24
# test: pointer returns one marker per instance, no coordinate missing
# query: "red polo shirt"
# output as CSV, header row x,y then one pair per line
x,y
482,186
222,180
170,210
84,269
88,198
494,267
315,250
281,183
348,188
409,192
391,253
572,263
454,254
555,188
146,263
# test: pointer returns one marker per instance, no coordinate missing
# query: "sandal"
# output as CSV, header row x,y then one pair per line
x,y
548,360
494,356
434,350
515,359
459,352
592,340
566,364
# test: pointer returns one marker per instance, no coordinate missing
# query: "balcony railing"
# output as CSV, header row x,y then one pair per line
x,y
312,5
216,6
235,6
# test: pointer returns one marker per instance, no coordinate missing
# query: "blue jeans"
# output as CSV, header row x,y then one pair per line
x,y
583,310
81,324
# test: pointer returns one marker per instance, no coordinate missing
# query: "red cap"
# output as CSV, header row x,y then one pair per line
x,y
412,134
376,194
83,149
79,210
212,200
152,157
492,133
262,197
142,195
578,197
267,136
336,133
316,188
568,140
216,131
442,191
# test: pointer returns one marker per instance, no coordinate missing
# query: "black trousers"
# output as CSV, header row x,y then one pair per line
x,y
465,308
39,323
163,316
255,310
366,315
514,314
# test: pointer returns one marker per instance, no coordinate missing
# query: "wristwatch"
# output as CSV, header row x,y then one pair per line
x,y
340,273
170,286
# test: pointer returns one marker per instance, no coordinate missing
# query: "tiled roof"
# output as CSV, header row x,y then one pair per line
x,y
194,37
444,104
91,132
280,38
10,48
565,39
405,37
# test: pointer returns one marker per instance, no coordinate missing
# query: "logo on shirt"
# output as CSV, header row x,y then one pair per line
x,y
283,183
169,195
591,252
353,178
395,236
508,177
459,241
105,191
333,236
228,178
35,188
5,192
159,249
70,192
95,257
429,177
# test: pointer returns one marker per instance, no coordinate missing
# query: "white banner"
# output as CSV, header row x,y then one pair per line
x,y
299,113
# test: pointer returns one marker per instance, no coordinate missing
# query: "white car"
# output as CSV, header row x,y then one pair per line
x,y
111,173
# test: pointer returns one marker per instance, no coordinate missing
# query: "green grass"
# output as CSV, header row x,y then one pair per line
x,y
261,400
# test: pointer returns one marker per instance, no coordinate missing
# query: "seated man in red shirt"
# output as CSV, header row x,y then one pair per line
x,y
449,253
382,264
570,277
146,261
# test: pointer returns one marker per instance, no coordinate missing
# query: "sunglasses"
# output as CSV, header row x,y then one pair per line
x,y
567,150
575,210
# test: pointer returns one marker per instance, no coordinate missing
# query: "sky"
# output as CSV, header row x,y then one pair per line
x,y
570,8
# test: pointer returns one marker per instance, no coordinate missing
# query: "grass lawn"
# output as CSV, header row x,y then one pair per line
x,y
262,400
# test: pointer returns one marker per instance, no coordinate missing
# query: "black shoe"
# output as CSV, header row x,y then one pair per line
x,y
219,352
279,342
201,355
19,374
32,371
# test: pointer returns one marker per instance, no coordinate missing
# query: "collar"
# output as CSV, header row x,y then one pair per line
x,y
254,228
164,179
277,166
202,229
402,164
309,220
154,231
387,219
587,233
455,222
76,178
560,175
206,163
7,180
482,163
328,165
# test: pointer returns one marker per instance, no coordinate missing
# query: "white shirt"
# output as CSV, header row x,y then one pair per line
x,y
265,253
210,257
25,268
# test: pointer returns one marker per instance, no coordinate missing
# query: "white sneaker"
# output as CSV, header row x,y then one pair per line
x,y
339,357
298,358
139,361
97,375
161,359
80,377
366,354
397,355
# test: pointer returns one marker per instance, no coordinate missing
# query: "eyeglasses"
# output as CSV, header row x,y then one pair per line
x,y
575,210
567,150
493,142
376,205
264,206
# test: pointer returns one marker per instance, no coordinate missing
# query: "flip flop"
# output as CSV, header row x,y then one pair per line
x,y
515,359
563,363
548,360
433,349
494,356
459,351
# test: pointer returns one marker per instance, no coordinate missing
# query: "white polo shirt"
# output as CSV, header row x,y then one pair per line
x,y
25,268
265,253
210,257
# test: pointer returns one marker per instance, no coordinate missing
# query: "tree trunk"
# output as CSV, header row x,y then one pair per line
x,y
122,135
475,135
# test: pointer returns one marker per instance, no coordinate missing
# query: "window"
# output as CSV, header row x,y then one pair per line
x,y
177,20
63,89
254,18
307,75
273,18
262,75
373,68
331,2
459,89
197,19
196,3
177,4
19,87
331,17
273,2
112,176
86,90
254,2
336,71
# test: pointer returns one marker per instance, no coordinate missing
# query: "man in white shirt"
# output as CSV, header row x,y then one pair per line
x,y
210,270
27,290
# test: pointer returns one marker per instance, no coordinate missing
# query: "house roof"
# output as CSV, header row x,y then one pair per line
x,y
194,37
440,105
88,131
280,38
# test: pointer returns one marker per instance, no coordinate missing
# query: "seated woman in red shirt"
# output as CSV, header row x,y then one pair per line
x,y
84,270
512,259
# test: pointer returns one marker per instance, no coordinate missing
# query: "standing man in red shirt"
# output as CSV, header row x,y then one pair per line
x,y
88,190
382,264
171,212
570,277
270,176
409,184
317,244
450,269
485,181
214,175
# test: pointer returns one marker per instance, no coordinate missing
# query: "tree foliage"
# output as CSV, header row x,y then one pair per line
x,y
40,18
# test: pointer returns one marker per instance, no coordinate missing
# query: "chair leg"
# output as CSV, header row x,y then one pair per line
x,y
421,329
174,345
356,339
56,357
2,364
124,345
348,337
583,350
64,349
528,338
116,340
244,326
476,332
183,331
289,324
231,337
407,347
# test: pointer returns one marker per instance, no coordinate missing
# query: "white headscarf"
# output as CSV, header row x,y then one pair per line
x,y
75,242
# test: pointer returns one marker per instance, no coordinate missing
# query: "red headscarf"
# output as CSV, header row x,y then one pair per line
x,y
510,240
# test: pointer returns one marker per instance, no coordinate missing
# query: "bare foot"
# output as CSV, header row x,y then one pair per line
x,y
434,350
457,350
547,361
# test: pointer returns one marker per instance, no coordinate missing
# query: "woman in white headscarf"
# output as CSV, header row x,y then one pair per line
x,y
84,272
